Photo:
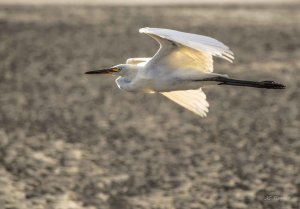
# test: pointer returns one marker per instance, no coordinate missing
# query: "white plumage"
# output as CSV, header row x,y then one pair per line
x,y
182,65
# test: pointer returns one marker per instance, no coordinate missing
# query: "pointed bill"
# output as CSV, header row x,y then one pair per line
x,y
104,71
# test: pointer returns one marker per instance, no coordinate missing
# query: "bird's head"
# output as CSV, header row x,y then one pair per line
x,y
117,70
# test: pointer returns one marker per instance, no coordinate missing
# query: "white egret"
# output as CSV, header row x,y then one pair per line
x,y
180,68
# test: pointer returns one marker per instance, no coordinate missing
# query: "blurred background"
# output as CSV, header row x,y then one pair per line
x,y
70,141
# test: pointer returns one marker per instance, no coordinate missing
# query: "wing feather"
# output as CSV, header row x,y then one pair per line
x,y
203,44
193,100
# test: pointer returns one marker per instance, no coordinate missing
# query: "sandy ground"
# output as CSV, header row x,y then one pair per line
x,y
70,142
141,2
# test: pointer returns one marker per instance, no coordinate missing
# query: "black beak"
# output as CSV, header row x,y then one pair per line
x,y
104,71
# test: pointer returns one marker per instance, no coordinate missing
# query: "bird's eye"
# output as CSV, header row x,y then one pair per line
x,y
116,69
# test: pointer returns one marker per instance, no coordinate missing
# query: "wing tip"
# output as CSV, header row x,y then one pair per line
x,y
202,114
227,55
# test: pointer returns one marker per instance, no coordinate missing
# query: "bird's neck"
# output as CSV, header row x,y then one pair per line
x,y
127,75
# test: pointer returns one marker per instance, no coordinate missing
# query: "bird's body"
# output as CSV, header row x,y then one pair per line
x,y
180,68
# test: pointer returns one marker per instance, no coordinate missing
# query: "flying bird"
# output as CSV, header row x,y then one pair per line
x,y
179,69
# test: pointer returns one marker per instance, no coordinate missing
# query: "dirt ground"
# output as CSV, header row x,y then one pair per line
x,y
69,141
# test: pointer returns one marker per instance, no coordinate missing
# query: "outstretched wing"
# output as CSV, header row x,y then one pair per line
x,y
193,100
185,50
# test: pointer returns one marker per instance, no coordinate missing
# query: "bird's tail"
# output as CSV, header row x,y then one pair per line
x,y
256,84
